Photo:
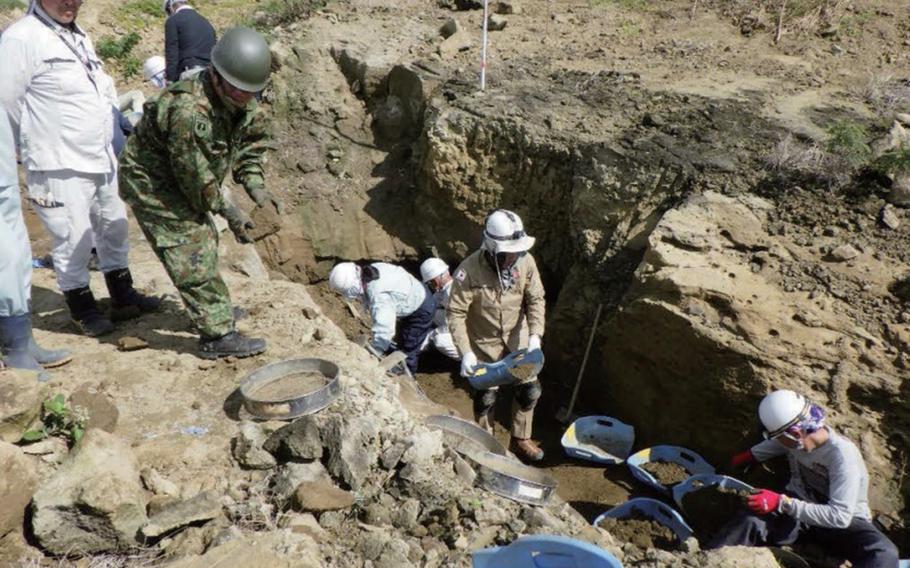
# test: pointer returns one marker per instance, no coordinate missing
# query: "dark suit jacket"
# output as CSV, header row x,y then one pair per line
x,y
188,42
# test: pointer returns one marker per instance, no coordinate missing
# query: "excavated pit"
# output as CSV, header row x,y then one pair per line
x,y
400,158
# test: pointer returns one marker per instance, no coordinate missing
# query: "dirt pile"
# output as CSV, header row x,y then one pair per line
x,y
710,508
666,473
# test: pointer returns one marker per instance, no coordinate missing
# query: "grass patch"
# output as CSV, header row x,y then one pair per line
x,y
113,48
626,4
849,142
139,14
10,5
280,12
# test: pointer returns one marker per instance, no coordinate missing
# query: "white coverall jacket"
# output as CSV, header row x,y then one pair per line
x,y
59,99
395,294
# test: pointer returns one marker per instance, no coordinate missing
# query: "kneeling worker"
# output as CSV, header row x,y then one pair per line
x,y
826,498
497,307
391,295
435,274
189,138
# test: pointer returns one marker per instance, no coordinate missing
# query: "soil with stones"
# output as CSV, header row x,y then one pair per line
x,y
666,473
641,531
297,384
710,508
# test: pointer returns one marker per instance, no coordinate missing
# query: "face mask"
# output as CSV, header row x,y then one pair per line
x,y
158,80
353,292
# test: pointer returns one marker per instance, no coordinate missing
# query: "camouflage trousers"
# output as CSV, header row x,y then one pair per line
x,y
188,248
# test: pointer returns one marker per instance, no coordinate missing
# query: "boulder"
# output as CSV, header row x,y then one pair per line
x,y
737,557
101,410
291,475
458,41
449,28
248,447
353,447
94,502
496,23
277,549
319,496
843,253
158,484
18,480
203,507
900,191
21,397
299,440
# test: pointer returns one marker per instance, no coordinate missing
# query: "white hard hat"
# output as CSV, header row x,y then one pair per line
x,y
780,410
153,66
504,232
431,268
345,278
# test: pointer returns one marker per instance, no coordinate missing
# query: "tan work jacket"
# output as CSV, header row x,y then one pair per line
x,y
489,321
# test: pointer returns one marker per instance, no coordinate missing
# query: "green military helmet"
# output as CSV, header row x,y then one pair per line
x,y
242,57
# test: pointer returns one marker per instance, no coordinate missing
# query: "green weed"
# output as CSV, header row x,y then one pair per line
x,y
111,48
57,419
896,161
849,142
10,5
131,66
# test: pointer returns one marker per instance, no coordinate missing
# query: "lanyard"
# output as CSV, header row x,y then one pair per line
x,y
83,59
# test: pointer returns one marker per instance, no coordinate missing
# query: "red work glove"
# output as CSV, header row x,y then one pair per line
x,y
764,501
742,459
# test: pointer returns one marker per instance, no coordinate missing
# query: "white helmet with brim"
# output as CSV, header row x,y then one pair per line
x,y
504,232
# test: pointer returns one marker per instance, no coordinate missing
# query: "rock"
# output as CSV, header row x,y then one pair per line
x,y
394,555
900,191
903,118
299,440
130,343
900,288
158,484
496,23
331,520
248,447
94,503
319,496
21,397
47,447
18,480
291,475
450,28
843,253
406,515
203,507
423,448
304,523
888,217
459,41
737,557
353,448
508,7
16,551
897,137
101,410
301,552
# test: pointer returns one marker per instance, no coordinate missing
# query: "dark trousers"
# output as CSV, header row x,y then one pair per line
x,y
413,329
861,543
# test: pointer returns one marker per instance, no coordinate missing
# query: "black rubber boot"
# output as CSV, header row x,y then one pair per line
x,y
231,345
15,332
85,314
126,302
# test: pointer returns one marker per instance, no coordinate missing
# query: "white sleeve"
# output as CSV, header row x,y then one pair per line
x,y
15,76
382,308
843,492
767,449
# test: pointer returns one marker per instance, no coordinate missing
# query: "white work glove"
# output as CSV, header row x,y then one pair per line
x,y
468,364
533,342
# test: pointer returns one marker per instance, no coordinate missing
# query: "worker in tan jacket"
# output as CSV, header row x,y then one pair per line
x,y
497,307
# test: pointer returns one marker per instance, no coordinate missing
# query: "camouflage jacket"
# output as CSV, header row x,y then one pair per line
x,y
184,146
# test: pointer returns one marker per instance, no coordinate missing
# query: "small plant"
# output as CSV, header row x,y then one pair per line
x,y
131,67
278,12
110,47
59,420
10,5
895,161
848,141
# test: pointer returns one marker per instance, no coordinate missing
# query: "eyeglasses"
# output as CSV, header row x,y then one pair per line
x,y
785,433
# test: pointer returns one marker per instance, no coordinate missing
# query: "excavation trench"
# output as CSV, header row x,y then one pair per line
x,y
397,161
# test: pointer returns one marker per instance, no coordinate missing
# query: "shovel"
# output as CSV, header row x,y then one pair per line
x,y
565,414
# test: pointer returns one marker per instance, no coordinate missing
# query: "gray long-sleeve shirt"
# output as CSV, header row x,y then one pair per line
x,y
830,483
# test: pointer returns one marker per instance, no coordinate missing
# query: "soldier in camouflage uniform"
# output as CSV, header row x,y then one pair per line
x,y
171,172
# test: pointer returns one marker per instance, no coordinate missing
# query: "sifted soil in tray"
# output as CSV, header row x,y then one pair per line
x,y
291,386
709,508
666,473
640,530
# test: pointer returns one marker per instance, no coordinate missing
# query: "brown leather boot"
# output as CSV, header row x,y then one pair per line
x,y
526,449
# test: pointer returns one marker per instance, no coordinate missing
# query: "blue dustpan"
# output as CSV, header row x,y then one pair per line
x,y
517,365
653,509
545,551
702,480
689,460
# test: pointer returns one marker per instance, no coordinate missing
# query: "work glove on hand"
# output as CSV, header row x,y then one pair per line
x,y
533,342
468,364
742,459
262,198
764,501
239,223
